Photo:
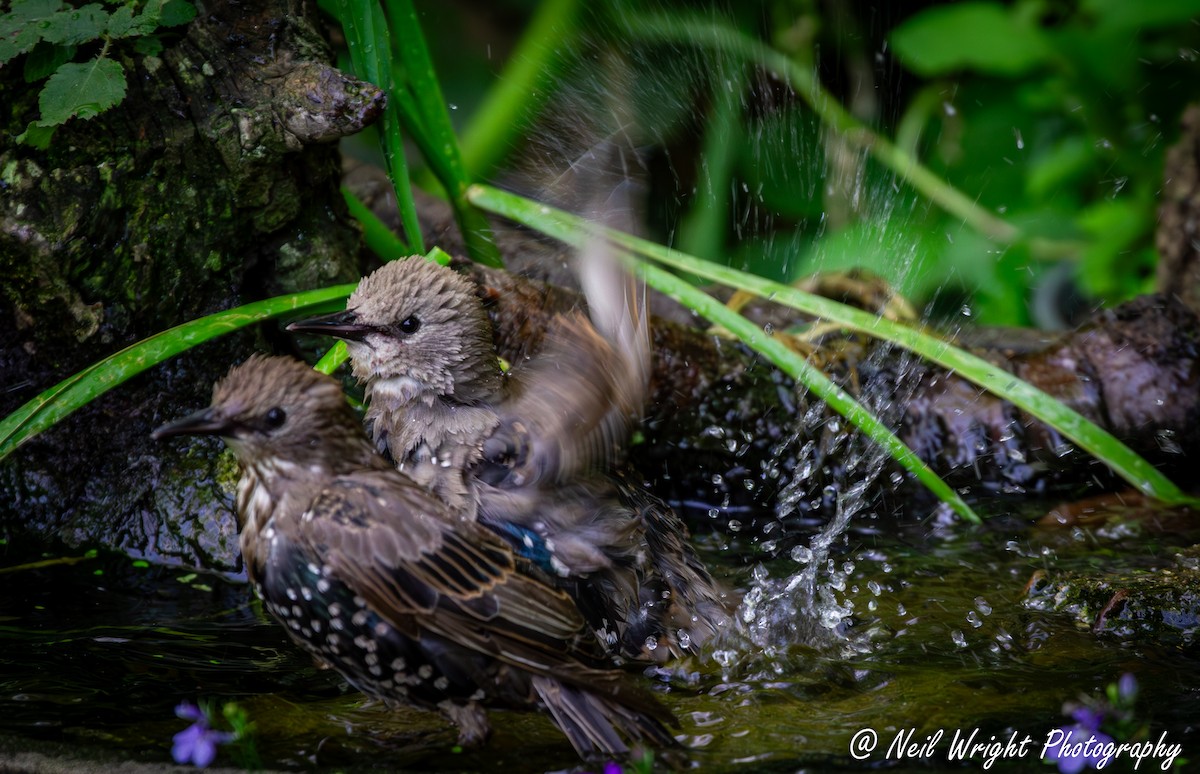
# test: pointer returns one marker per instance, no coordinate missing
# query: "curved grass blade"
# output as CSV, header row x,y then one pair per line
x,y
1096,441
70,394
382,240
577,232
804,372
704,32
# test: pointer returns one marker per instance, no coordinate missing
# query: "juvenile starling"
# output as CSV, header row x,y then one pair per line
x,y
526,454
377,578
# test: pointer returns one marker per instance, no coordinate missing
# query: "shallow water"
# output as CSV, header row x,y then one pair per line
x,y
95,655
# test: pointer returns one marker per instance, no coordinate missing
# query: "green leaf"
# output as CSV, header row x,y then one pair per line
x,y
150,45
36,136
44,59
981,36
21,28
76,25
176,12
84,89
120,24
1126,15
163,13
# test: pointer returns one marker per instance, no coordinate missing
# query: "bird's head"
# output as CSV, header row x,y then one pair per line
x,y
278,408
416,327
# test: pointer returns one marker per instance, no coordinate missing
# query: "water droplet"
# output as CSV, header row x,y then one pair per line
x,y
874,588
974,620
801,555
685,639
959,639
982,606
651,642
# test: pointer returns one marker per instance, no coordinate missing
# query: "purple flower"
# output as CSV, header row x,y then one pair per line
x,y
612,767
197,744
1127,688
1080,748
1087,718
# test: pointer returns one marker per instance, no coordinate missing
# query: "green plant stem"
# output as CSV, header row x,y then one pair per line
x,y
522,87
381,239
440,143
370,52
1089,437
679,29
703,229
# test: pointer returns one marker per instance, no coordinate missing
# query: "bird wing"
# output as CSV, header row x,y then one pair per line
x,y
572,410
422,571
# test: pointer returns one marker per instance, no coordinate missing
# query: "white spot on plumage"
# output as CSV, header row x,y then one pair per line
x,y
398,664
359,618
425,672
306,592
441,683
323,588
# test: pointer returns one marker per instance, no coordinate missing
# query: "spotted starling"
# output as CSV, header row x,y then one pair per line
x,y
528,454
377,578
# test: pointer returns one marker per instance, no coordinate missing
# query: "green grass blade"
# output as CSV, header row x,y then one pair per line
x,y
1092,439
802,371
441,143
371,54
678,28
381,239
577,232
70,394
522,88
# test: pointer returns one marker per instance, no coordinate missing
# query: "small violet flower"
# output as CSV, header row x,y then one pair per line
x,y
1127,688
1073,755
197,744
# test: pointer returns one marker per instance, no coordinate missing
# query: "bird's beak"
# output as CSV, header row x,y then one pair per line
x,y
342,325
204,422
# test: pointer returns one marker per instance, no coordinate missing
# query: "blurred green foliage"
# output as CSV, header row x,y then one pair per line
x,y
1051,116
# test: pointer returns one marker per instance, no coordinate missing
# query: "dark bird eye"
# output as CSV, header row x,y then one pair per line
x,y
410,325
276,417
